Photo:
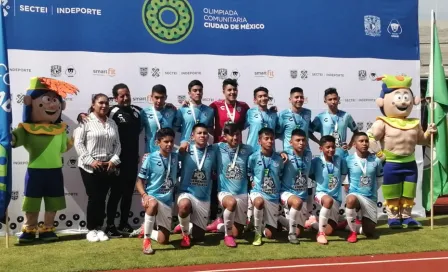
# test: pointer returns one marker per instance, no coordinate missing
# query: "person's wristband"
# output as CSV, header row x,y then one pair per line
x,y
143,195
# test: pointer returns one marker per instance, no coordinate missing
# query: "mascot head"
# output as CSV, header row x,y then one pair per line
x,y
396,99
44,100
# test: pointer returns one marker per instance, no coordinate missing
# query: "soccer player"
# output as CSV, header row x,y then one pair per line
x,y
266,168
260,117
297,117
328,171
195,185
193,113
159,115
334,122
232,170
155,183
294,184
228,110
365,176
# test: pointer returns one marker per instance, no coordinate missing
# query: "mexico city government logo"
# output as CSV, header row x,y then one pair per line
x,y
154,15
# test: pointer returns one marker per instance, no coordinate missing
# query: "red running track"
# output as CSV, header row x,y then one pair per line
x,y
425,261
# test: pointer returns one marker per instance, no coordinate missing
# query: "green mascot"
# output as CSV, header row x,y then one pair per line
x,y
44,136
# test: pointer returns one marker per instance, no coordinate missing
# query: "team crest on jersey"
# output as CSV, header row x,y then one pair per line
x,y
332,182
238,109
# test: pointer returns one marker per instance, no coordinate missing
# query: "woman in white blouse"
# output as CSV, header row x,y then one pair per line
x,y
98,146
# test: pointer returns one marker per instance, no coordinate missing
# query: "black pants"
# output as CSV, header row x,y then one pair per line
x,y
122,189
97,186
214,201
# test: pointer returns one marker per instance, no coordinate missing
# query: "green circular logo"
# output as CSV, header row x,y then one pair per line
x,y
165,32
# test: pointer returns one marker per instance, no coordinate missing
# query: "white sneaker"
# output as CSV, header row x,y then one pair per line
x,y
92,236
102,236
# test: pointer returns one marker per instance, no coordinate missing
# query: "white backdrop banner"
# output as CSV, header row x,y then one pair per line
x,y
95,46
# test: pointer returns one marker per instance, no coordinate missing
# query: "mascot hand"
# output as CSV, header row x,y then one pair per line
x,y
432,129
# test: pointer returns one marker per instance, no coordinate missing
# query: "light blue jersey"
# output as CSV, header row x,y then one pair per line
x,y
233,178
288,121
266,173
194,179
328,176
295,174
158,184
165,118
186,118
336,125
362,183
256,120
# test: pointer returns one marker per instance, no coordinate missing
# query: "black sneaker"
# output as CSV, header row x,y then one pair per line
x,y
125,229
112,232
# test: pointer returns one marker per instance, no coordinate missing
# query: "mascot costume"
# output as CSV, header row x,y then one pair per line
x,y
45,138
398,136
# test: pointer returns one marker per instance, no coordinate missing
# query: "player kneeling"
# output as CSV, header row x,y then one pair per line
x,y
195,185
294,186
365,173
328,171
232,170
266,168
159,172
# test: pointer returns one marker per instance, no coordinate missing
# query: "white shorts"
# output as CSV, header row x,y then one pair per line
x,y
303,212
368,207
334,211
164,214
241,206
199,210
271,210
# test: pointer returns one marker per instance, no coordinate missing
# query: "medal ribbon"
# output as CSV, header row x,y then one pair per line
x,y
168,169
231,115
266,168
194,114
199,164
155,116
234,157
299,167
363,168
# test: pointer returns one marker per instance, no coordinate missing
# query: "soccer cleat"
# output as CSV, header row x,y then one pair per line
x,y
229,241
310,222
321,238
92,236
125,229
177,229
147,249
213,227
137,233
352,237
293,239
257,240
112,232
185,243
